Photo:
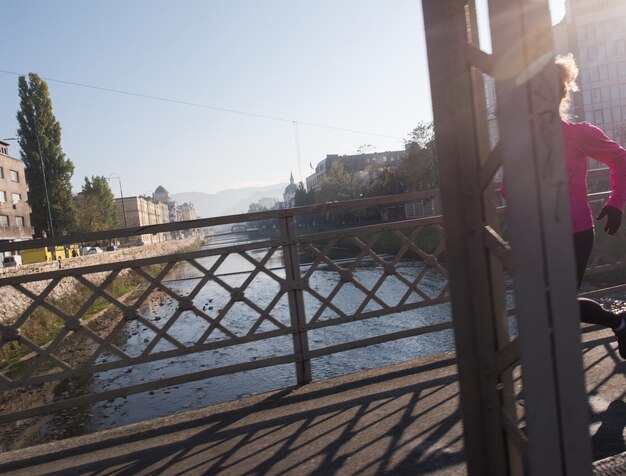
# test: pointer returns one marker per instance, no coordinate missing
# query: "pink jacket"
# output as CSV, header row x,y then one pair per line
x,y
582,140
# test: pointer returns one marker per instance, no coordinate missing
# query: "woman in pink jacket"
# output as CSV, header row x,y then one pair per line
x,y
583,140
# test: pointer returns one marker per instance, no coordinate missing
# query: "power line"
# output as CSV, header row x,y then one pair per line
x,y
296,135
204,106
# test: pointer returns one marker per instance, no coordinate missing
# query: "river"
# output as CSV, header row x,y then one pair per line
x,y
263,289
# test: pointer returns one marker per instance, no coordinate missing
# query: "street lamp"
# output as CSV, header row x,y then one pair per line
x,y
119,180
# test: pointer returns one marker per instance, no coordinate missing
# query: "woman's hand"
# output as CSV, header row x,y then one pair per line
x,y
613,221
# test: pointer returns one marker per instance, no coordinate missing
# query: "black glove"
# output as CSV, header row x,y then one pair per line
x,y
613,221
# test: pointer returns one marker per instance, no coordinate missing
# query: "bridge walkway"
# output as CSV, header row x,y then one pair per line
x,y
401,419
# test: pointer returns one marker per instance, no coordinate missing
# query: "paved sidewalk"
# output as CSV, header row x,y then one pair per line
x,y
401,419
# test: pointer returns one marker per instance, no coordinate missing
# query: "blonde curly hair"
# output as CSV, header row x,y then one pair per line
x,y
568,72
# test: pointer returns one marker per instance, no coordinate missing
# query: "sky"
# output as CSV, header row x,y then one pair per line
x,y
210,95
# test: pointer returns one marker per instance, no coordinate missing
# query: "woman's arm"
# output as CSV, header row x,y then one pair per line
x,y
598,146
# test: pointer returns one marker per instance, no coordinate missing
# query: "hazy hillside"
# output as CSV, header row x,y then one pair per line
x,y
229,202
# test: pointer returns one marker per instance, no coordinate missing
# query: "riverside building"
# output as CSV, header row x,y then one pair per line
x,y
15,224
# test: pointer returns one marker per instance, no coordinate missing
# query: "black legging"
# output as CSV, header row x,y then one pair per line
x,y
590,311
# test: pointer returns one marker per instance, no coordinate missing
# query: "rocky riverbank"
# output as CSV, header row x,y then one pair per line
x,y
75,349
13,302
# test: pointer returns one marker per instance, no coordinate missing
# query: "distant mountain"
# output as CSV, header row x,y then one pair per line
x,y
229,202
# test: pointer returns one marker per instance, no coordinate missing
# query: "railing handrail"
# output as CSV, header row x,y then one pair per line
x,y
214,221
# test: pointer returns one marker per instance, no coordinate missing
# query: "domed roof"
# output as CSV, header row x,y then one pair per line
x,y
291,188
160,189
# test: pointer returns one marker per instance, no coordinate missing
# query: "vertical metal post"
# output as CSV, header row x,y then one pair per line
x,y
500,324
471,277
296,299
528,96
538,219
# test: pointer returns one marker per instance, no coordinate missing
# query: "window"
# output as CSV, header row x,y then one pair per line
x,y
592,53
622,90
615,92
1,172
610,48
598,117
596,95
620,46
19,222
15,177
586,97
590,31
3,196
608,115
594,74
604,72
4,221
612,71
601,51
584,75
16,197
617,114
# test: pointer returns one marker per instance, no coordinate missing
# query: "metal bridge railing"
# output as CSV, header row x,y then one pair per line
x,y
88,317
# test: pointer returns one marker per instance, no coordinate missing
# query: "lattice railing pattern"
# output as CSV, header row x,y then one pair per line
x,y
124,315
119,317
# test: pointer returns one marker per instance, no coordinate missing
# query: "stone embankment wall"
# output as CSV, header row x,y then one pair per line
x,y
13,302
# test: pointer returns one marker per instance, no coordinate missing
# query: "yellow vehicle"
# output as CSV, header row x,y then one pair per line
x,y
41,255
36,255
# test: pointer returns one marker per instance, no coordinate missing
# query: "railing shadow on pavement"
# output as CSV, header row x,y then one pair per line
x,y
404,421
608,440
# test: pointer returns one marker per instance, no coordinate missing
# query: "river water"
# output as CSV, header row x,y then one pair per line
x,y
263,289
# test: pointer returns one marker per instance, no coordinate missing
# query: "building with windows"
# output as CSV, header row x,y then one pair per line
x,y
187,212
595,31
176,212
161,195
365,165
143,211
15,211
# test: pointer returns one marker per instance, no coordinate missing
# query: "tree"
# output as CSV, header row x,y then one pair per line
x,y
344,182
419,170
95,206
304,197
336,186
256,207
388,181
423,135
48,171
